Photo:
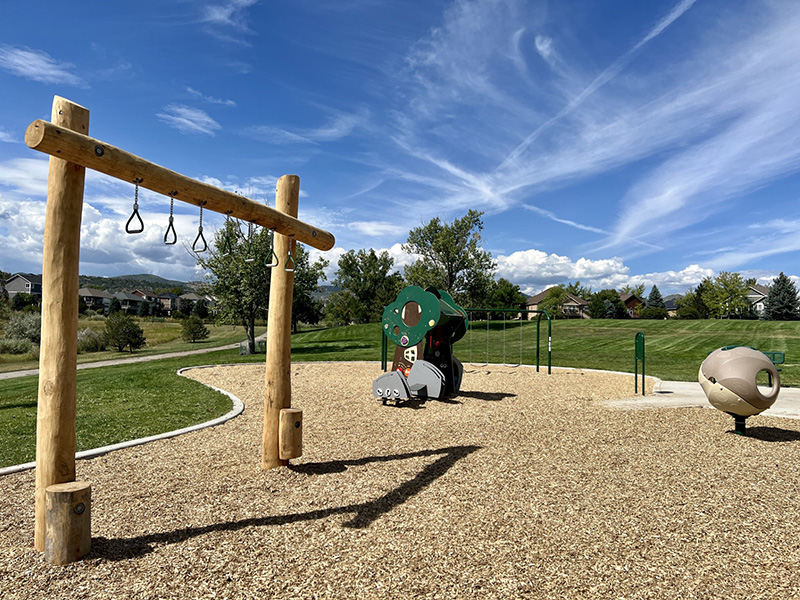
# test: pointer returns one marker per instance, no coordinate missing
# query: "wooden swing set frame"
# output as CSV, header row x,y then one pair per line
x,y
65,138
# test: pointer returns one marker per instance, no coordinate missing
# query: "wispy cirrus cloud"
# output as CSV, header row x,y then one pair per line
x,y
188,120
228,20
38,65
337,127
210,99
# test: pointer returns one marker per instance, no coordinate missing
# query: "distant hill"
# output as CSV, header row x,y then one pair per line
x,y
132,282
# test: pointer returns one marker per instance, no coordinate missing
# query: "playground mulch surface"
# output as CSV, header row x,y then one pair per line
x,y
524,486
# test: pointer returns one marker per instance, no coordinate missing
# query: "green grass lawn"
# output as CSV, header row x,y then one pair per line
x,y
161,338
131,401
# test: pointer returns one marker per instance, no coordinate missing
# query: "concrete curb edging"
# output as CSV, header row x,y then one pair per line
x,y
238,408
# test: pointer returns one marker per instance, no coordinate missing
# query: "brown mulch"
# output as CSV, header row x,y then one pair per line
x,y
523,486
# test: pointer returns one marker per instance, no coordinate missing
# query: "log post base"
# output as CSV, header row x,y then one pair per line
x,y
68,522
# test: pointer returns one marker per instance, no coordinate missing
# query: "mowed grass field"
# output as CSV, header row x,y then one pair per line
x,y
130,401
161,337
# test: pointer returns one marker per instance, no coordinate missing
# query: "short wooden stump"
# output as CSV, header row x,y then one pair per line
x,y
68,522
290,433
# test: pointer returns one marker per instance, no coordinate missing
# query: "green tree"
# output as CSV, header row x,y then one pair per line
x,y
654,300
451,255
369,279
606,304
726,296
635,290
505,294
238,275
306,308
341,309
115,306
200,309
239,278
553,302
22,300
781,302
692,305
122,332
578,290
144,309
193,329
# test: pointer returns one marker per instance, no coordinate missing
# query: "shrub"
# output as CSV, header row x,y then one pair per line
x,y
90,340
25,326
15,346
122,332
654,312
193,329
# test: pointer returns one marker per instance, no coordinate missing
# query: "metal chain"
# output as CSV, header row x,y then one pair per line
x,y
128,228
171,226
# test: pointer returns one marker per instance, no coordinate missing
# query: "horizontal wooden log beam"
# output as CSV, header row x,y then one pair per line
x,y
100,156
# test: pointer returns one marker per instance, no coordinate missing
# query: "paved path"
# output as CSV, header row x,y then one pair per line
x,y
131,359
681,394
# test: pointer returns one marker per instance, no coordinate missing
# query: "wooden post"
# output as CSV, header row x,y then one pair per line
x,y
291,433
278,392
68,535
55,416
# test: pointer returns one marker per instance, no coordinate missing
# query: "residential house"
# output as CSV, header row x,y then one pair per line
x,y
757,296
169,302
27,283
129,302
573,308
146,295
97,300
631,302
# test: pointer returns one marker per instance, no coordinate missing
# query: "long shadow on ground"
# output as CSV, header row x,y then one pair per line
x,y
365,513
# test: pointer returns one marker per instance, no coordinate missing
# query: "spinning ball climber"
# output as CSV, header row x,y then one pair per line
x,y
729,379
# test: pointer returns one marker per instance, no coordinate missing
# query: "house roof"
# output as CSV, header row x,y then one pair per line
x,y
759,290
30,277
94,293
192,296
127,296
628,297
536,299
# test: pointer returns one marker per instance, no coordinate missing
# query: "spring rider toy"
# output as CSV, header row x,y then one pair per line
x,y
424,324
728,378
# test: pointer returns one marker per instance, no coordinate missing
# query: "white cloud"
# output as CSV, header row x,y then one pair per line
x,y
228,14
188,119
25,176
378,228
37,65
534,271
210,99
337,127
8,138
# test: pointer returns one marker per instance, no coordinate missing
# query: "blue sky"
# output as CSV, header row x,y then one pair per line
x,y
614,142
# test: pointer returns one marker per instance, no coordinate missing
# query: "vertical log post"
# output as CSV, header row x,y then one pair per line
x,y
55,416
278,393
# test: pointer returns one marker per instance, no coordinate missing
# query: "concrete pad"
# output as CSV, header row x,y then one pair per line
x,y
689,394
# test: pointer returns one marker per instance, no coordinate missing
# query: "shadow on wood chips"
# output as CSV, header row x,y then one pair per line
x,y
365,513
771,434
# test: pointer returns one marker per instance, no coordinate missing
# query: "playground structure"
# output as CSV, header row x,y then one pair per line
x,y
424,324
728,377
62,513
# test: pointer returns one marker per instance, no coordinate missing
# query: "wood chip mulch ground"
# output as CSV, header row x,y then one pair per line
x,y
524,486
